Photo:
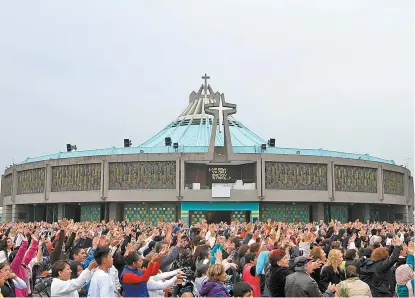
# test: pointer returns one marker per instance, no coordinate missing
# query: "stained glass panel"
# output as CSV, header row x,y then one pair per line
x,y
339,212
31,181
197,216
91,213
295,176
7,185
239,216
355,179
393,183
83,177
142,175
150,213
135,212
285,212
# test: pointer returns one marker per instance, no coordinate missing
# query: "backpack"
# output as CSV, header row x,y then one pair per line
x,y
43,285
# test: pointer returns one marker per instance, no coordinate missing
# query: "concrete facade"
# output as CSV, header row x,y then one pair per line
x,y
15,204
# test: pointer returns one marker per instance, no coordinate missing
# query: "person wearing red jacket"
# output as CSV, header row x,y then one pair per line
x,y
134,278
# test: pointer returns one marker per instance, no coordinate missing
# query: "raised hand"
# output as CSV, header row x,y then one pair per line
x,y
164,252
23,237
155,258
396,241
218,255
332,287
11,275
317,264
34,237
92,265
95,242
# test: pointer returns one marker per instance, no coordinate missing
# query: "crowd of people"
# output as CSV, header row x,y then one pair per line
x,y
272,259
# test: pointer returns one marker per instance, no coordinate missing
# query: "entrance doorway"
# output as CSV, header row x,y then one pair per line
x,y
218,216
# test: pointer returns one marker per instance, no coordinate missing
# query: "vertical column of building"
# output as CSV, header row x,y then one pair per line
x,y
411,210
2,191
48,182
104,179
13,196
259,178
115,210
406,215
182,214
179,177
379,179
330,182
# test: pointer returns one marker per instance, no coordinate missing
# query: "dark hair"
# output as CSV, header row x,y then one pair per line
x,y
254,247
200,270
74,268
201,253
158,247
242,250
12,255
131,258
350,255
74,251
240,289
2,265
351,271
58,267
3,246
100,253
250,257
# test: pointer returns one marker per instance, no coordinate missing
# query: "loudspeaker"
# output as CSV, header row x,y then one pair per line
x,y
127,143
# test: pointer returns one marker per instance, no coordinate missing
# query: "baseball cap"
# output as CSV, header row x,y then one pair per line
x,y
301,261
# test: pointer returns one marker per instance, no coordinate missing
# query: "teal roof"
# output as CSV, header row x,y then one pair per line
x,y
192,131
197,132
201,149
195,138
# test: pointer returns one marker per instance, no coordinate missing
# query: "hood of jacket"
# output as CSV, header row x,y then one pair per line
x,y
211,288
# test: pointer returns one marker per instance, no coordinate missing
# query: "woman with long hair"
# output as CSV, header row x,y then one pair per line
x,y
6,247
318,255
65,286
331,271
202,256
77,268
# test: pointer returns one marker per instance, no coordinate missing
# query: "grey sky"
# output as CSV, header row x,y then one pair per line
x,y
328,74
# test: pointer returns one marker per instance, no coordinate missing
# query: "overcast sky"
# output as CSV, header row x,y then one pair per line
x,y
329,74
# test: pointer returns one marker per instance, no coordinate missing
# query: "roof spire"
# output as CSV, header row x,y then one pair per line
x,y
205,86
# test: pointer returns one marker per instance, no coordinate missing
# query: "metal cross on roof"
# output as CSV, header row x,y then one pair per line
x,y
205,77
